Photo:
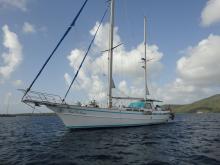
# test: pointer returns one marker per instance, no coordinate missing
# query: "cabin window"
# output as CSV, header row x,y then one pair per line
x,y
148,106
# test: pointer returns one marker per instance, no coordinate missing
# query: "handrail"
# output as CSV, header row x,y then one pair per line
x,y
34,96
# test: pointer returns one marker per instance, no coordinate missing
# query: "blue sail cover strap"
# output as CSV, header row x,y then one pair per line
x,y
67,31
84,56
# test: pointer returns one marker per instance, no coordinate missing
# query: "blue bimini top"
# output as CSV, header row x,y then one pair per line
x,y
137,104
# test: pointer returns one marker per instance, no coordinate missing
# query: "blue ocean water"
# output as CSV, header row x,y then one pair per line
x,y
190,139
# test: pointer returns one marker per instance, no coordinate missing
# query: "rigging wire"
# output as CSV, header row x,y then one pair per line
x,y
85,55
60,41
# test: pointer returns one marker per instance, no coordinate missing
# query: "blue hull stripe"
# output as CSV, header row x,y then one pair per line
x,y
110,111
113,111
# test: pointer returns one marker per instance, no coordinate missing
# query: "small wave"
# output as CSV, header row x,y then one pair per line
x,y
126,153
156,162
99,157
120,145
202,159
150,143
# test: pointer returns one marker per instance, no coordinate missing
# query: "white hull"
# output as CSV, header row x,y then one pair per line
x,y
88,117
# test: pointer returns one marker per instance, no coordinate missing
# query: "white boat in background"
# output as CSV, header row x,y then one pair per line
x,y
139,113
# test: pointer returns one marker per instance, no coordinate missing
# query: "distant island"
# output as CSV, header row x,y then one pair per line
x,y
210,104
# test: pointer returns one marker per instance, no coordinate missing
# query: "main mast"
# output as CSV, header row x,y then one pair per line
x,y
110,55
145,60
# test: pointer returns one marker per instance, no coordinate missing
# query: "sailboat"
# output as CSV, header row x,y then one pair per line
x,y
139,113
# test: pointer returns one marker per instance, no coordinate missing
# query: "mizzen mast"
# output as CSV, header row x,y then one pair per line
x,y
145,60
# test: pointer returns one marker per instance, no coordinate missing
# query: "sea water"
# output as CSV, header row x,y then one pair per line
x,y
189,139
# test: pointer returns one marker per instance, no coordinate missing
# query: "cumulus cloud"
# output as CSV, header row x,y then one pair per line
x,y
13,57
180,92
28,28
130,90
92,85
97,90
211,13
126,63
198,74
20,4
201,64
102,35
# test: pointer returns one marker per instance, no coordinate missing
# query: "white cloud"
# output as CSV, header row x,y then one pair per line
x,y
125,63
28,28
76,57
13,57
179,92
211,13
67,78
93,85
132,91
97,89
201,65
123,87
102,35
20,4
198,74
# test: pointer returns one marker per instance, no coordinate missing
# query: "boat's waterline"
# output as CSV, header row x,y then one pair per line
x,y
80,117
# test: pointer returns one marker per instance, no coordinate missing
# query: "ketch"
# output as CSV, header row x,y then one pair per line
x,y
138,113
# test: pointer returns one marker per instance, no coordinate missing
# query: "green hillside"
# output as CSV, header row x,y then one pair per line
x,y
210,104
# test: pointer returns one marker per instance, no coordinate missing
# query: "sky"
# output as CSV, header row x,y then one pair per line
x,y
183,39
